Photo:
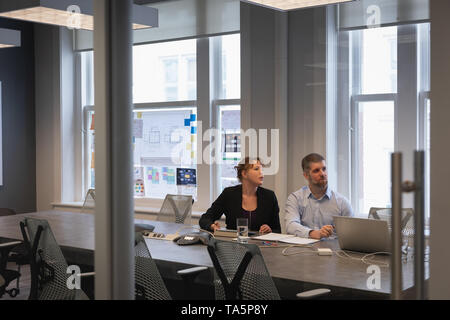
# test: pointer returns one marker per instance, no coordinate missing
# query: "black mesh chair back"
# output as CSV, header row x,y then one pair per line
x,y
19,254
48,266
407,223
240,272
149,284
176,208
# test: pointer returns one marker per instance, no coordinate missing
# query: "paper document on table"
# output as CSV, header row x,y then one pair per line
x,y
273,237
298,240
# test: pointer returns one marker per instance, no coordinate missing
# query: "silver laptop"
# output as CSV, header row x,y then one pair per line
x,y
363,235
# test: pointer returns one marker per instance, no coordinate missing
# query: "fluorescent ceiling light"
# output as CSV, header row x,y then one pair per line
x,y
9,38
286,5
76,14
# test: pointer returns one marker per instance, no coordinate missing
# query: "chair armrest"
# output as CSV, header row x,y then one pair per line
x,y
87,274
191,271
9,245
312,294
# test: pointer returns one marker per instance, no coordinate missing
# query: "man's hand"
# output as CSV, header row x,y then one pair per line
x,y
325,232
265,229
215,226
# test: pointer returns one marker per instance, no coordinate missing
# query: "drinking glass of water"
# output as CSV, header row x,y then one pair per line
x,y
242,230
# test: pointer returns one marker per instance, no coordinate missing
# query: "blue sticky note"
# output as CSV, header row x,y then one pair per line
x,y
193,116
193,130
187,122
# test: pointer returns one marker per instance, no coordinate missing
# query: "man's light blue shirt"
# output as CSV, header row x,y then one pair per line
x,y
303,212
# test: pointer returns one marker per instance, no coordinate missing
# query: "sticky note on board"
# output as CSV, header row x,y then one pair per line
x,y
187,122
139,115
193,117
193,130
92,122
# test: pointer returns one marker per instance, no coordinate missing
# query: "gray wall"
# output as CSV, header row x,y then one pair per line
x,y
19,154
284,86
307,90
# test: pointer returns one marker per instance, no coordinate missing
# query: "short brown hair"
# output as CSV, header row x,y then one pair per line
x,y
312,157
244,165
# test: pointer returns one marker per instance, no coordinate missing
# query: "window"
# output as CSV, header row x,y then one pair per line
x,y
227,107
231,67
378,60
165,71
165,116
382,120
230,145
375,143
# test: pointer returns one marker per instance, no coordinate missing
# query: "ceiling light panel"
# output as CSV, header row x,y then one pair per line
x,y
286,5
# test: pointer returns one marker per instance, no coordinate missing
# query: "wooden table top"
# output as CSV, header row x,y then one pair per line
x,y
76,230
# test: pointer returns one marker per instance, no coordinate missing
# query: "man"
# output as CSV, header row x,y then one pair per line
x,y
309,211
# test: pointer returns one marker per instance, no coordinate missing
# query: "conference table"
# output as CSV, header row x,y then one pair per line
x,y
297,270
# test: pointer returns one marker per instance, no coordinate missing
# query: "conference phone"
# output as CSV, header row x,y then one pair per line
x,y
193,238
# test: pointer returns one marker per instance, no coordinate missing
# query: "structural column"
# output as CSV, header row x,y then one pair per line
x,y
114,236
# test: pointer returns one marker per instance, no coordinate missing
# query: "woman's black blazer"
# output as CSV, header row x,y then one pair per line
x,y
230,203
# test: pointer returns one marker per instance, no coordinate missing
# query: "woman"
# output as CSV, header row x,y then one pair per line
x,y
247,200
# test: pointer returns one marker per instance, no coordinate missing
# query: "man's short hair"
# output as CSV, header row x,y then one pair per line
x,y
312,157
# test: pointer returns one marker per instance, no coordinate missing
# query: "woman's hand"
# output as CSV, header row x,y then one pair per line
x,y
215,226
265,229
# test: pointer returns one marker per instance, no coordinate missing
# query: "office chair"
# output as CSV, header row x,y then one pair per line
x,y
176,208
407,223
241,273
19,254
149,284
6,275
48,266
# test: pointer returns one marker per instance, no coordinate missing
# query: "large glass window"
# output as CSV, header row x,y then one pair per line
x,y
377,63
166,112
